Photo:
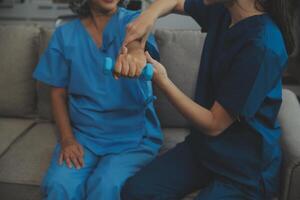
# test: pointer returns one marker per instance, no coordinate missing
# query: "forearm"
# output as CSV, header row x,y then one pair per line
x,y
136,48
201,117
60,113
163,7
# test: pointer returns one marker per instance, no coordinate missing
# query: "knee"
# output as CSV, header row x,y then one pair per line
x,y
60,186
54,182
103,183
132,190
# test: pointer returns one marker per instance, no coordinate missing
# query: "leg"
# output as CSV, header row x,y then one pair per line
x,y
106,181
169,177
226,190
62,183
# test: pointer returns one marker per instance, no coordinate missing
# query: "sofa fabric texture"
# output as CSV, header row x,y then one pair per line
x,y
17,63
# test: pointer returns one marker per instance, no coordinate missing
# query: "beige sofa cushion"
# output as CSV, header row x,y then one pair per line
x,y
43,90
11,129
180,53
18,58
28,158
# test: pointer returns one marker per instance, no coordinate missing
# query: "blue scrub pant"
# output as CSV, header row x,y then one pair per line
x,y
178,173
101,178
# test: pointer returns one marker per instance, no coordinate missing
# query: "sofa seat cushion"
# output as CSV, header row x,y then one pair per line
x,y
11,129
10,191
28,158
180,52
18,58
173,136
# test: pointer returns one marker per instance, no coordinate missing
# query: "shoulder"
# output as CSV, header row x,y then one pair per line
x,y
64,33
268,36
126,16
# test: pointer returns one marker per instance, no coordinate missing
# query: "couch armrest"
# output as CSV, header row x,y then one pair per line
x,y
289,117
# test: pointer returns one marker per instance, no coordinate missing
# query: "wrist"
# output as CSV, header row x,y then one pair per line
x,y
164,83
67,138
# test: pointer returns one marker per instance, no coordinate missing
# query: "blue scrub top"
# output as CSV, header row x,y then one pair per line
x,y
241,68
107,115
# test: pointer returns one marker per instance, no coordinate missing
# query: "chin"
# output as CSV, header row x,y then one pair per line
x,y
106,5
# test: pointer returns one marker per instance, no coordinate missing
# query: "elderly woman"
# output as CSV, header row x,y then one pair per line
x,y
233,151
108,128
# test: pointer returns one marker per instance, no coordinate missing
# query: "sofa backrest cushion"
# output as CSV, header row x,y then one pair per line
x,y
43,90
180,52
18,59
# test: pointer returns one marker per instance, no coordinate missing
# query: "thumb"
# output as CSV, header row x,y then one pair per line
x,y
144,40
124,50
150,59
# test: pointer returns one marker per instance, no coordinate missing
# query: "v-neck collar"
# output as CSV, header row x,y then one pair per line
x,y
109,33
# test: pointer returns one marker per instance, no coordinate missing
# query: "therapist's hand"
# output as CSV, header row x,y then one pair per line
x,y
130,63
72,153
140,28
160,76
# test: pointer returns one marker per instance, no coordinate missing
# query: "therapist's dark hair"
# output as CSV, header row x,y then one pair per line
x,y
82,8
281,13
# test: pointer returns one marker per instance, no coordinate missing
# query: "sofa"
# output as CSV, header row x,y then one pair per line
x,y
28,132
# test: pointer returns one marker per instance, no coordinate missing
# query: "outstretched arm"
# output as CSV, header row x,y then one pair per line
x,y
211,121
141,27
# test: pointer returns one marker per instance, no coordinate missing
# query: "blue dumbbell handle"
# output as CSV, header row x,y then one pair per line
x,y
146,74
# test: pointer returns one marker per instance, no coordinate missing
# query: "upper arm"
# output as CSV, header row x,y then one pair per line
x,y
222,119
253,74
53,68
179,9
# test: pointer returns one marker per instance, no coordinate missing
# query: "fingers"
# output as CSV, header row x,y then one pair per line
x,y
132,70
73,158
81,151
118,67
125,66
75,161
68,162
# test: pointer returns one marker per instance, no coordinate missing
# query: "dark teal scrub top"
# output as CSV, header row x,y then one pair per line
x,y
241,68
107,115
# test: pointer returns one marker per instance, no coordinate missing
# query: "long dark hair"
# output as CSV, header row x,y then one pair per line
x,y
82,7
281,12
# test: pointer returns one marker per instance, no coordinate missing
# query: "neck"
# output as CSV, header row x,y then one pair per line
x,y
102,13
241,9
100,16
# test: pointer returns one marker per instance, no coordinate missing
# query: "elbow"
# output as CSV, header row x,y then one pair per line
x,y
214,128
213,132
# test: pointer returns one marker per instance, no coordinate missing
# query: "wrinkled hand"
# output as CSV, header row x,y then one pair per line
x,y
72,153
160,73
140,28
129,64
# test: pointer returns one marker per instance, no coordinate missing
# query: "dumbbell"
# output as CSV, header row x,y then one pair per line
x,y
147,72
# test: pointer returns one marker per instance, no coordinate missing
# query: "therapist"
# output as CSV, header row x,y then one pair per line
x,y
233,150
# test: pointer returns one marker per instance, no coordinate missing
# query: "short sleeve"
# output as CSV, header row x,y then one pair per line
x,y
52,68
197,10
253,74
